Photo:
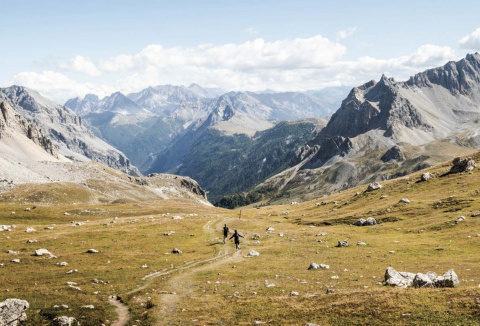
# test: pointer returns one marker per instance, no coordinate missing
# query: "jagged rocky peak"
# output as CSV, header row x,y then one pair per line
x,y
9,119
461,77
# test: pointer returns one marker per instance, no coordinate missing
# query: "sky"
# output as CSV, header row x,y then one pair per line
x,y
65,49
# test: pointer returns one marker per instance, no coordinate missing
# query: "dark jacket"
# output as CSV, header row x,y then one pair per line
x,y
225,231
237,236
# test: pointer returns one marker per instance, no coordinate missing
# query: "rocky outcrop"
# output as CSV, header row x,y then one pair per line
x,y
11,120
12,311
430,279
463,165
393,154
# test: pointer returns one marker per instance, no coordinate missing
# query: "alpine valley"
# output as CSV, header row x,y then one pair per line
x,y
280,147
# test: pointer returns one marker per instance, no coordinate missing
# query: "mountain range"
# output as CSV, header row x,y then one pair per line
x,y
272,147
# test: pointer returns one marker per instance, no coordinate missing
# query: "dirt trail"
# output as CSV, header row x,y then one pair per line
x,y
122,311
181,284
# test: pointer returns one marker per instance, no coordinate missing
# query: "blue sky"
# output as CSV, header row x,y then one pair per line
x,y
69,48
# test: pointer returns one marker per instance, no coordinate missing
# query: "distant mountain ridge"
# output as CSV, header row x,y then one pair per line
x,y
144,124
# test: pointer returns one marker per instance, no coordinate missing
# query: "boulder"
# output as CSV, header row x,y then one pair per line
x,y
360,222
370,221
12,311
314,266
463,165
65,321
430,279
176,251
447,280
422,281
41,252
252,253
374,186
400,279
425,176
342,244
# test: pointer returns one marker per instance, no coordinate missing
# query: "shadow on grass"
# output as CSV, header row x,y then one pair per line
x,y
215,243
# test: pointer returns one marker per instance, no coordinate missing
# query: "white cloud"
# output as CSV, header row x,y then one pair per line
x,y
57,86
250,31
81,64
284,65
346,33
471,41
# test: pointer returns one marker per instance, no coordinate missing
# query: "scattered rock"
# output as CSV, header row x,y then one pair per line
x,y
176,251
360,243
294,293
12,252
49,228
330,291
447,280
27,209
65,321
176,217
463,165
256,236
425,176
374,186
66,214
63,263
32,241
404,200
12,311
271,285
15,260
89,306
342,243
311,324
92,251
30,230
314,266
41,252
461,218
285,213
252,253
270,229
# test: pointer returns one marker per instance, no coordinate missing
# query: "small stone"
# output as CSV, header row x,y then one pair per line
x,y
404,200
330,291
294,293
92,251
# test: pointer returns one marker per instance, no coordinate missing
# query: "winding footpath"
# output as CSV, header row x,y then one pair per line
x,y
180,283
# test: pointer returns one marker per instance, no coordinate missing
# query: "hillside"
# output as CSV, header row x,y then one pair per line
x,y
210,283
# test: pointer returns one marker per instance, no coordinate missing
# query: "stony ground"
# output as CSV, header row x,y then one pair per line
x,y
210,283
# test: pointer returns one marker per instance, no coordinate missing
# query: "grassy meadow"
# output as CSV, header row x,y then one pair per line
x,y
211,284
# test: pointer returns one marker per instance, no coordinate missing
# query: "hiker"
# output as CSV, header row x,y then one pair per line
x,y
225,233
237,236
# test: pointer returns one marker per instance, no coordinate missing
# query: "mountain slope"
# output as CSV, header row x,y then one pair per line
x,y
431,117
64,128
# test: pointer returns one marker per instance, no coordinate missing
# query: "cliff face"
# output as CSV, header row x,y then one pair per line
x,y
11,120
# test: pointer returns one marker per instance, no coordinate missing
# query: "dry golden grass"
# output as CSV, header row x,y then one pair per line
x,y
216,286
